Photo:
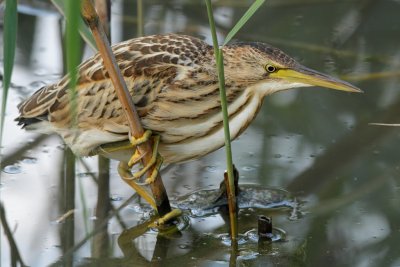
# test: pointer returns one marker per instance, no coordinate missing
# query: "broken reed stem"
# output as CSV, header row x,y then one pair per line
x,y
103,9
90,16
232,210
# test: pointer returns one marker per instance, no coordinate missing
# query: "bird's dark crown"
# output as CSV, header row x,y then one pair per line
x,y
274,53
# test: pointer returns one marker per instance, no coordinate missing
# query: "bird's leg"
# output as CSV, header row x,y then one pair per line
x,y
155,161
124,170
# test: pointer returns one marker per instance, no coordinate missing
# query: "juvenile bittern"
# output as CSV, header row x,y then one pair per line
x,y
174,85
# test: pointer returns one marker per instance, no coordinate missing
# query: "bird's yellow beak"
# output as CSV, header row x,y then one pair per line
x,y
301,74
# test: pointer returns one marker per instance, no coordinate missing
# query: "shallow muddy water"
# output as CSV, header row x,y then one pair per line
x,y
314,163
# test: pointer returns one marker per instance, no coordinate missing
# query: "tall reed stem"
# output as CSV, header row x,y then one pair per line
x,y
219,58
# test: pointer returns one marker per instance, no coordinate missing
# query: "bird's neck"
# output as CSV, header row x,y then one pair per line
x,y
264,88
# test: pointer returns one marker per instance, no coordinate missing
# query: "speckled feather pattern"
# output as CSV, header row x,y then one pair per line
x,y
174,86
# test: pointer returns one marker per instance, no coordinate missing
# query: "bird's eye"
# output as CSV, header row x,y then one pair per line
x,y
269,68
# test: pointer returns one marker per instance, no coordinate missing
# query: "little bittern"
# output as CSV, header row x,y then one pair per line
x,y
174,85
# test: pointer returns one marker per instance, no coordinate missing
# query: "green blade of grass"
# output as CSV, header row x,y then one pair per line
x,y
83,28
140,18
224,107
9,44
249,13
10,39
73,53
212,28
85,208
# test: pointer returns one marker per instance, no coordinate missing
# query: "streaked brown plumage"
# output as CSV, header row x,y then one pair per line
x,y
173,81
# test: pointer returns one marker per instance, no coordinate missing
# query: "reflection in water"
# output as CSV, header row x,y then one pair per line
x,y
101,239
317,145
67,203
138,244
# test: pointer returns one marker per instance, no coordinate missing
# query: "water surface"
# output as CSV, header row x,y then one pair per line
x,y
314,143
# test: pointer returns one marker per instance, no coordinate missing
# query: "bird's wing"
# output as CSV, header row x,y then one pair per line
x,y
148,63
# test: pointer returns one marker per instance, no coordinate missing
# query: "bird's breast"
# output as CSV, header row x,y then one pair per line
x,y
209,134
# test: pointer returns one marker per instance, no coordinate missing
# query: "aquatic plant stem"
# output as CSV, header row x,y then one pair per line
x,y
140,19
91,18
15,255
9,45
232,205
101,242
73,47
67,233
224,106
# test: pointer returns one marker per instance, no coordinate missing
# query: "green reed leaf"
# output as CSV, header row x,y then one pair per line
x,y
83,28
73,52
249,13
10,39
212,28
140,18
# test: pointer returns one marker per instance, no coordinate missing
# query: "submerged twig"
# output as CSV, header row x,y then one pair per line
x,y
101,240
99,228
9,235
67,233
232,204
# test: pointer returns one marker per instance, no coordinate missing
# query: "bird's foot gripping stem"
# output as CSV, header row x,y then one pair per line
x,y
155,162
124,168
125,172
153,166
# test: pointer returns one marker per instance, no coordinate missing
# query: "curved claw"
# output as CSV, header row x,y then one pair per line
x,y
124,169
155,171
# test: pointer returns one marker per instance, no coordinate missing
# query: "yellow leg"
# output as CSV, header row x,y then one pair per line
x,y
136,157
124,170
126,175
155,160
167,217
155,171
